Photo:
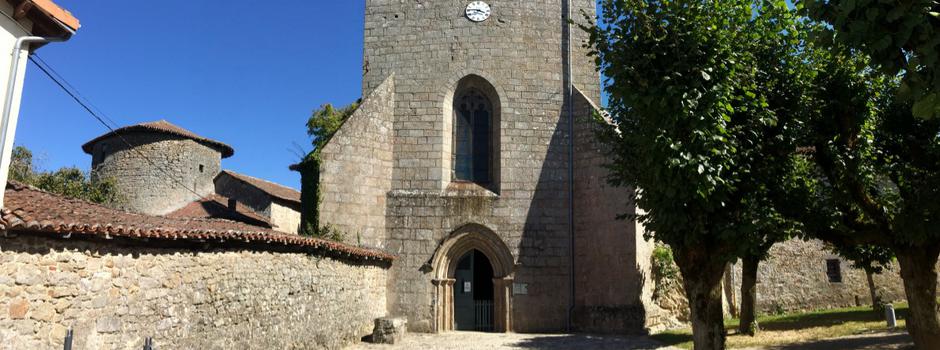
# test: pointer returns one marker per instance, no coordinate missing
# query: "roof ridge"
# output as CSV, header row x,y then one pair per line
x,y
259,179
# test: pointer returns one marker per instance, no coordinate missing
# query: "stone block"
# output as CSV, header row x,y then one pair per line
x,y
389,330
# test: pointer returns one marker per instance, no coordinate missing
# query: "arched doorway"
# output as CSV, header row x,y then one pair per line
x,y
472,253
473,297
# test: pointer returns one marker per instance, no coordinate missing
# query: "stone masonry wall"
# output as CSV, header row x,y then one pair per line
x,y
608,299
246,194
285,216
114,294
356,170
430,46
158,188
794,279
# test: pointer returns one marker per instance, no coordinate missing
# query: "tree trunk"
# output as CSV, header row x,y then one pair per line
x,y
749,324
918,269
702,273
875,300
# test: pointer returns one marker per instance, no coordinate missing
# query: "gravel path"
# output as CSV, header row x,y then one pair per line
x,y
486,341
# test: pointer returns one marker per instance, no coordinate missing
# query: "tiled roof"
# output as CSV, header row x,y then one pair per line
x,y
216,207
165,127
57,13
32,210
272,189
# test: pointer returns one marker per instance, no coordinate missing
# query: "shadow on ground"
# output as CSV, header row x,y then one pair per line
x,y
579,341
879,341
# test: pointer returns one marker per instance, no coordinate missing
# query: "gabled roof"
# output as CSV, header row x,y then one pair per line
x,y
163,127
217,207
28,209
272,189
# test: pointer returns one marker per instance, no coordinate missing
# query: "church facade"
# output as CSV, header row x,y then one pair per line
x,y
472,158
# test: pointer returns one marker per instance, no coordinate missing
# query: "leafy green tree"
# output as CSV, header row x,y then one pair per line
x,y
704,96
899,36
872,178
323,123
69,181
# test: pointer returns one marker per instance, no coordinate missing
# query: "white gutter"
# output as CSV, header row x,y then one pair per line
x,y
9,120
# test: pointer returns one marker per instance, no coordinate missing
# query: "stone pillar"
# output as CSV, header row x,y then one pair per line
x,y
444,307
502,304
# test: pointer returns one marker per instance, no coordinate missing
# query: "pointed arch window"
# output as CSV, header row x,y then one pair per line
x,y
473,136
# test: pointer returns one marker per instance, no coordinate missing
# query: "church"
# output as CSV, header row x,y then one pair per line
x,y
472,158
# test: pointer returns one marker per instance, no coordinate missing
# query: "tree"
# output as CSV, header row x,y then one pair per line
x,y
323,123
899,36
872,178
703,95
69,181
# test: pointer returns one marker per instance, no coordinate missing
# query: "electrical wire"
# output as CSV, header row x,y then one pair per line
x,y
62,83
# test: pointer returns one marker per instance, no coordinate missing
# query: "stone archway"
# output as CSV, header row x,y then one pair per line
x,y
444,263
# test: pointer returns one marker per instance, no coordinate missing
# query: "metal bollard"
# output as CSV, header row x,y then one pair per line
x,y
148,343
890,317
68,339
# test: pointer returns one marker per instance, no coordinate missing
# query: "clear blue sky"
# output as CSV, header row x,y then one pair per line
x,y
247,73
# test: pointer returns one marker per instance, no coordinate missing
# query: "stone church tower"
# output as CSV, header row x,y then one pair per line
x,y
472,160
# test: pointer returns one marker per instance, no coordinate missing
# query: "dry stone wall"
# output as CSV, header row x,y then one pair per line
x,y
160,174
115,294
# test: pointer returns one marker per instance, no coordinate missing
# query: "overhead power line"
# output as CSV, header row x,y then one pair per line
x,y
100,117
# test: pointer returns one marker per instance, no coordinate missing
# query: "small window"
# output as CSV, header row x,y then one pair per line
x,y
834,270
202,168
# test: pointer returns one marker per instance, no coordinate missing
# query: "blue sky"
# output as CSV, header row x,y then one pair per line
x,y
247,73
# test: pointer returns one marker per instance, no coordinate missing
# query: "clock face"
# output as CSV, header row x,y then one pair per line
x,y
478,11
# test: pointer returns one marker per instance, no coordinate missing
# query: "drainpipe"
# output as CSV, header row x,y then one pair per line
x,y
9,120
569,94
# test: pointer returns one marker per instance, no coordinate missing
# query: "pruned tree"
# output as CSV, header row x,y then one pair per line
x,y
872,177
901,37
703,95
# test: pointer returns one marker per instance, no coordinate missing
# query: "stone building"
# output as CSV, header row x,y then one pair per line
x,y
472,159
280,204
162,169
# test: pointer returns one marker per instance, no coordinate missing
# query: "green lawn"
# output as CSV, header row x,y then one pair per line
x,y
796,328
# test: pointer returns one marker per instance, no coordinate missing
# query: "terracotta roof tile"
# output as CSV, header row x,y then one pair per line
x,y
272,189
165,127
33,210
57,13
217,207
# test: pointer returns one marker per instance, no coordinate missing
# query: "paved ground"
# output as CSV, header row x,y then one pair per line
x,y
486,341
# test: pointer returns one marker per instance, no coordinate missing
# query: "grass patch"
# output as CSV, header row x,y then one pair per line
x,y
797,327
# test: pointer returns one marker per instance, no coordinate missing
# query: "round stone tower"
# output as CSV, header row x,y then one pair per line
x,y
158,167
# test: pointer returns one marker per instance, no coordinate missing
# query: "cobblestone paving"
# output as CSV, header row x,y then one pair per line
x,y
481,341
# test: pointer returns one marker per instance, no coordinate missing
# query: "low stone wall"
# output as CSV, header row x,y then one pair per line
x,y
114,293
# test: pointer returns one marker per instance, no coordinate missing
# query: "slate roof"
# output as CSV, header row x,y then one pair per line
x,y
32,210
164,127
272,189
216,207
